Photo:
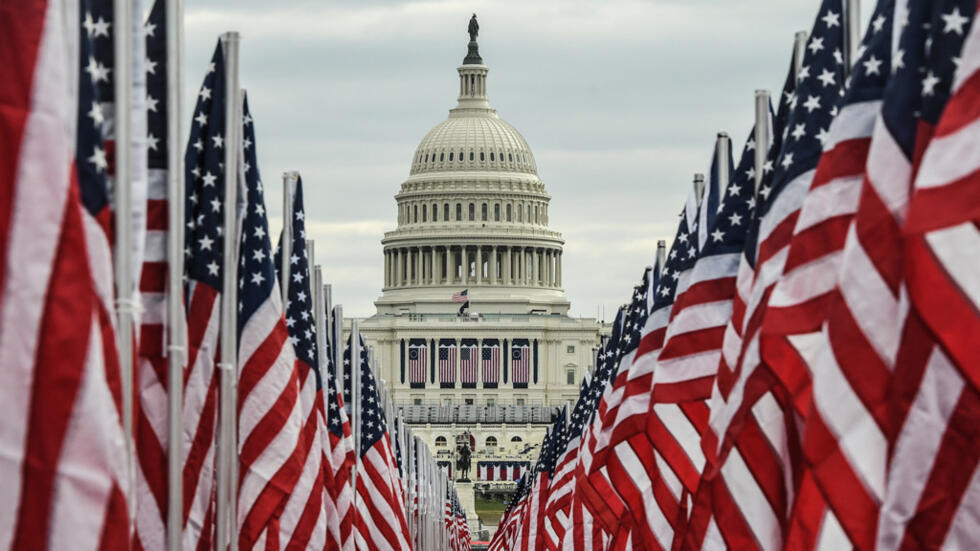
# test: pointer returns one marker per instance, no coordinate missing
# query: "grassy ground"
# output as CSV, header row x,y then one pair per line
x,y
489,511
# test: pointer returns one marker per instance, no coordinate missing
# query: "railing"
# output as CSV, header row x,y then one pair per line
x,y
435,414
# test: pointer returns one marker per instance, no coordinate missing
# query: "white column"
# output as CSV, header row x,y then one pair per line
x,y
434,265
560,253
387,269
398,268
493,265
465,264
508,268
479,264
448,252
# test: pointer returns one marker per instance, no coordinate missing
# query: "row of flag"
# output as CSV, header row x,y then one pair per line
x,y
800,370
479,361
171,380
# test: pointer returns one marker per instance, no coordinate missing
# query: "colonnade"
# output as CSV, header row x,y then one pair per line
x,y
522,266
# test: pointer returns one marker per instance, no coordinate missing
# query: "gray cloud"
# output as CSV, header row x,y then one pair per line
x,y
619,100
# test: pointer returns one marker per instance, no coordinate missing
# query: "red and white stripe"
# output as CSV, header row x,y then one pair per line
x,y
491,365
338,458
447,366
380,519
933,491
270,423
469,363
416,367
57,344
521,365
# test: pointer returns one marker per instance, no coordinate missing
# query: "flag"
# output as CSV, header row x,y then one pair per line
x,y
418,361
757,422
447,363
271,444
461,296
57,343
203,245
491,363
338,459
469,361
520,362
931,495
303,522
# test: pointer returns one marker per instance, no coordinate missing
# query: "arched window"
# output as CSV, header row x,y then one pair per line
x,y
416,213
450,155
426,157
508,212
471,155
535,214
491,442
482,157
425,213
445,212
440,441
496,212
472,212
442,157
491,156
518,157
529,214
459,211
435,212
483,212
516,439
510,157
461,156
501,156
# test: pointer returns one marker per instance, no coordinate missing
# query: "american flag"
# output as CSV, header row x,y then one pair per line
x,y
303,522
151,416
755,398
469,361
338,459
57,344
417,362
942,246
203,247
447,363
380,521
271,448
531,534
520,363
461,296
491,363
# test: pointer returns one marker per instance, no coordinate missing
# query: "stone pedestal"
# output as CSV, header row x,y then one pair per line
x,y
467,498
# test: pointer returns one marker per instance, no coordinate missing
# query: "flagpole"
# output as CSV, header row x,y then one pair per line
x,y
852,33
123,269
176,329
227,452
338,353
355,386
699,186
723,160
761,134
286,248
319,313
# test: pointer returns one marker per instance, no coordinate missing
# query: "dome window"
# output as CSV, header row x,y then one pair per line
x,y
435,212
501,156
510,157
516,439
440,441
459,212
471,155
426,157
508,213
425,213
416,213
482,158
450,156
483,213
496,212
491,156
472,212
491,442
445,212
461,156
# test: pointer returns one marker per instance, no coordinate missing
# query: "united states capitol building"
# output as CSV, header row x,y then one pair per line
x,y
473,216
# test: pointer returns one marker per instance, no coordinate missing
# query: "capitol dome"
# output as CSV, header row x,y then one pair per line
x,y
473,214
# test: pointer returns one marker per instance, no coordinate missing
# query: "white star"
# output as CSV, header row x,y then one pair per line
x,y
260,210
293,259
97,71
838,56
89,24
215,205
823,136
799,131
98,159
735,189
301,296
831,19
258,255
767,167
787,161
898,60
690,252
750,173
257,278
812,102
682,237
247,120
827,78
954,21
152,141
209,179
717,235
247,143
929,84
95,113
151,66
151,103
735,219
873,65
803,74
213,268
218,140
205,243
259,232
750,145
299,215
201,118
149,29
294,341
816,44
664,291
205,93
101,28
211,67
298,277
751,203
879,23
765,191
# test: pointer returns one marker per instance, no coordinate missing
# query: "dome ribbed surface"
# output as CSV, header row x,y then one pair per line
x,y
485,142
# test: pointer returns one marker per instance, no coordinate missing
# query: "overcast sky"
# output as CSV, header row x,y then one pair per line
x,y
620,102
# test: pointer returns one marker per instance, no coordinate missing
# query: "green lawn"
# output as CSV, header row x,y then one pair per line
x,y
489,511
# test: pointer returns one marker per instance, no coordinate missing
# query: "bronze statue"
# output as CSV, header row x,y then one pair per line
x,y
463,455
474,28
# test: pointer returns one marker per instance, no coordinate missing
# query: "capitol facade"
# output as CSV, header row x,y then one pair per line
x,y
473,218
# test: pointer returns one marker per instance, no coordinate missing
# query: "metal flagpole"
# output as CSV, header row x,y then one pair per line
x,y
123,268
338,354
661,253
286,248
320,323
799,48
176,321
699,186
227,452
852,33
355,386
762,138
722,161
